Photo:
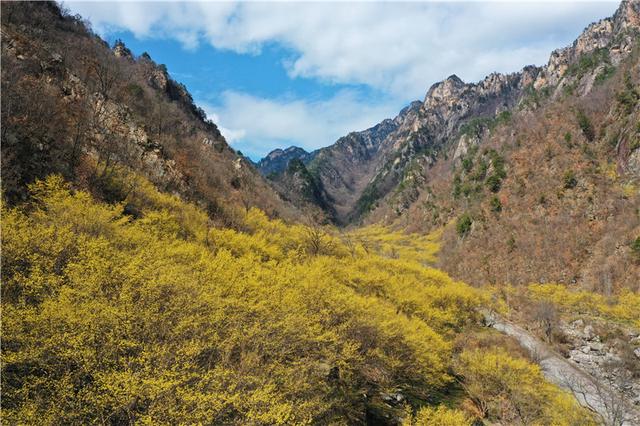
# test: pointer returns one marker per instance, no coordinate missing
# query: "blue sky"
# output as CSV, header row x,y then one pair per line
x,y
278,74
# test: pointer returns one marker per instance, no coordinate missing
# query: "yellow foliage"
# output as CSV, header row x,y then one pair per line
x,y
439,416
379,239
159,318
514,391
624,307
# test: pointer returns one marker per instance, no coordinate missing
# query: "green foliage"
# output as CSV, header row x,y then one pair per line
x,y
311,187
629,97
476,125
569,179
585,125
567,138
494,183
635,248
136,91
457,185
533,98
463,224
499,173
467,164
607,72
496,205
368,199
589,62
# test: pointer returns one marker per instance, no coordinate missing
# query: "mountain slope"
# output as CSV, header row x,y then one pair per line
x,y
101,111
277,160
551,194
562,137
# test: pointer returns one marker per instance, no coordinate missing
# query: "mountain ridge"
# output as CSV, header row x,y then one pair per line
x,y
447,106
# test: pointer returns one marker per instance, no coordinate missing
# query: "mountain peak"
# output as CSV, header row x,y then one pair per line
x,y
277,160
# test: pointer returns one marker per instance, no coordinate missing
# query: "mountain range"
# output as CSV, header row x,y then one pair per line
x,y
487,151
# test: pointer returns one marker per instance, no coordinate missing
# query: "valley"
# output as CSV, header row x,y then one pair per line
x,y
474,260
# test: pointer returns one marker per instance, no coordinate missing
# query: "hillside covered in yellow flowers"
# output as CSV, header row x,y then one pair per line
x,y
143,313
152,276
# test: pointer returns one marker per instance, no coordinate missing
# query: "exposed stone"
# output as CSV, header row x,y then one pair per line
x,y
122,51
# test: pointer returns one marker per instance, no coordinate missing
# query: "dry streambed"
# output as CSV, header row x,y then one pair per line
x,y
611,405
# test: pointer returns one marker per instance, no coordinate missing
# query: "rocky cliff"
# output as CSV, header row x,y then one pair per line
x,y
102,113
277,160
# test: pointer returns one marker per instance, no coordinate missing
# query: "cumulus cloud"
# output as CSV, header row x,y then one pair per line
x,y
398,49
258,125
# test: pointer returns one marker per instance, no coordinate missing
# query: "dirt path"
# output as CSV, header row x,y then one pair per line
x,y
613,408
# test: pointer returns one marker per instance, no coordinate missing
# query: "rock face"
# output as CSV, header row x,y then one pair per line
x,y
610,362
278,159
364,168
102,113
598,378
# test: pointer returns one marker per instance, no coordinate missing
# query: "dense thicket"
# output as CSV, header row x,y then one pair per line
x,y
159,318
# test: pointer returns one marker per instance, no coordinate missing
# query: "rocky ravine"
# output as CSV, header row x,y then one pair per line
x,y
613,406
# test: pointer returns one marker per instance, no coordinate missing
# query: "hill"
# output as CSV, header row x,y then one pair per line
x,y
100,109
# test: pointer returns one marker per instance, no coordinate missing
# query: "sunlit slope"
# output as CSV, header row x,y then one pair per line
x,y
154,317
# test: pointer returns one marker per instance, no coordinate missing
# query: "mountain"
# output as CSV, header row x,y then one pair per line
x,y
278,160
140,286
562,138
103,113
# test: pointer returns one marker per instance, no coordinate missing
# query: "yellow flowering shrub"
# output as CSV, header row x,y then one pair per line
x,y
145,313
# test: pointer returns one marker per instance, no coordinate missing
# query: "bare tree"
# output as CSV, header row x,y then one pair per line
x,y
547,316
317,241
605,396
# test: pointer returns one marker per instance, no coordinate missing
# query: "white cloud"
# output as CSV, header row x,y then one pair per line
x,y
398,49
258,125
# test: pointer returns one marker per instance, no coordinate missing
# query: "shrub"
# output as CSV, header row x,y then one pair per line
x,y
135,90
567,138
569,179
467,164
514,391
629,97
439,416
496,205
161,318
494,183
635,248
586,126
607,72
542,200
463,225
